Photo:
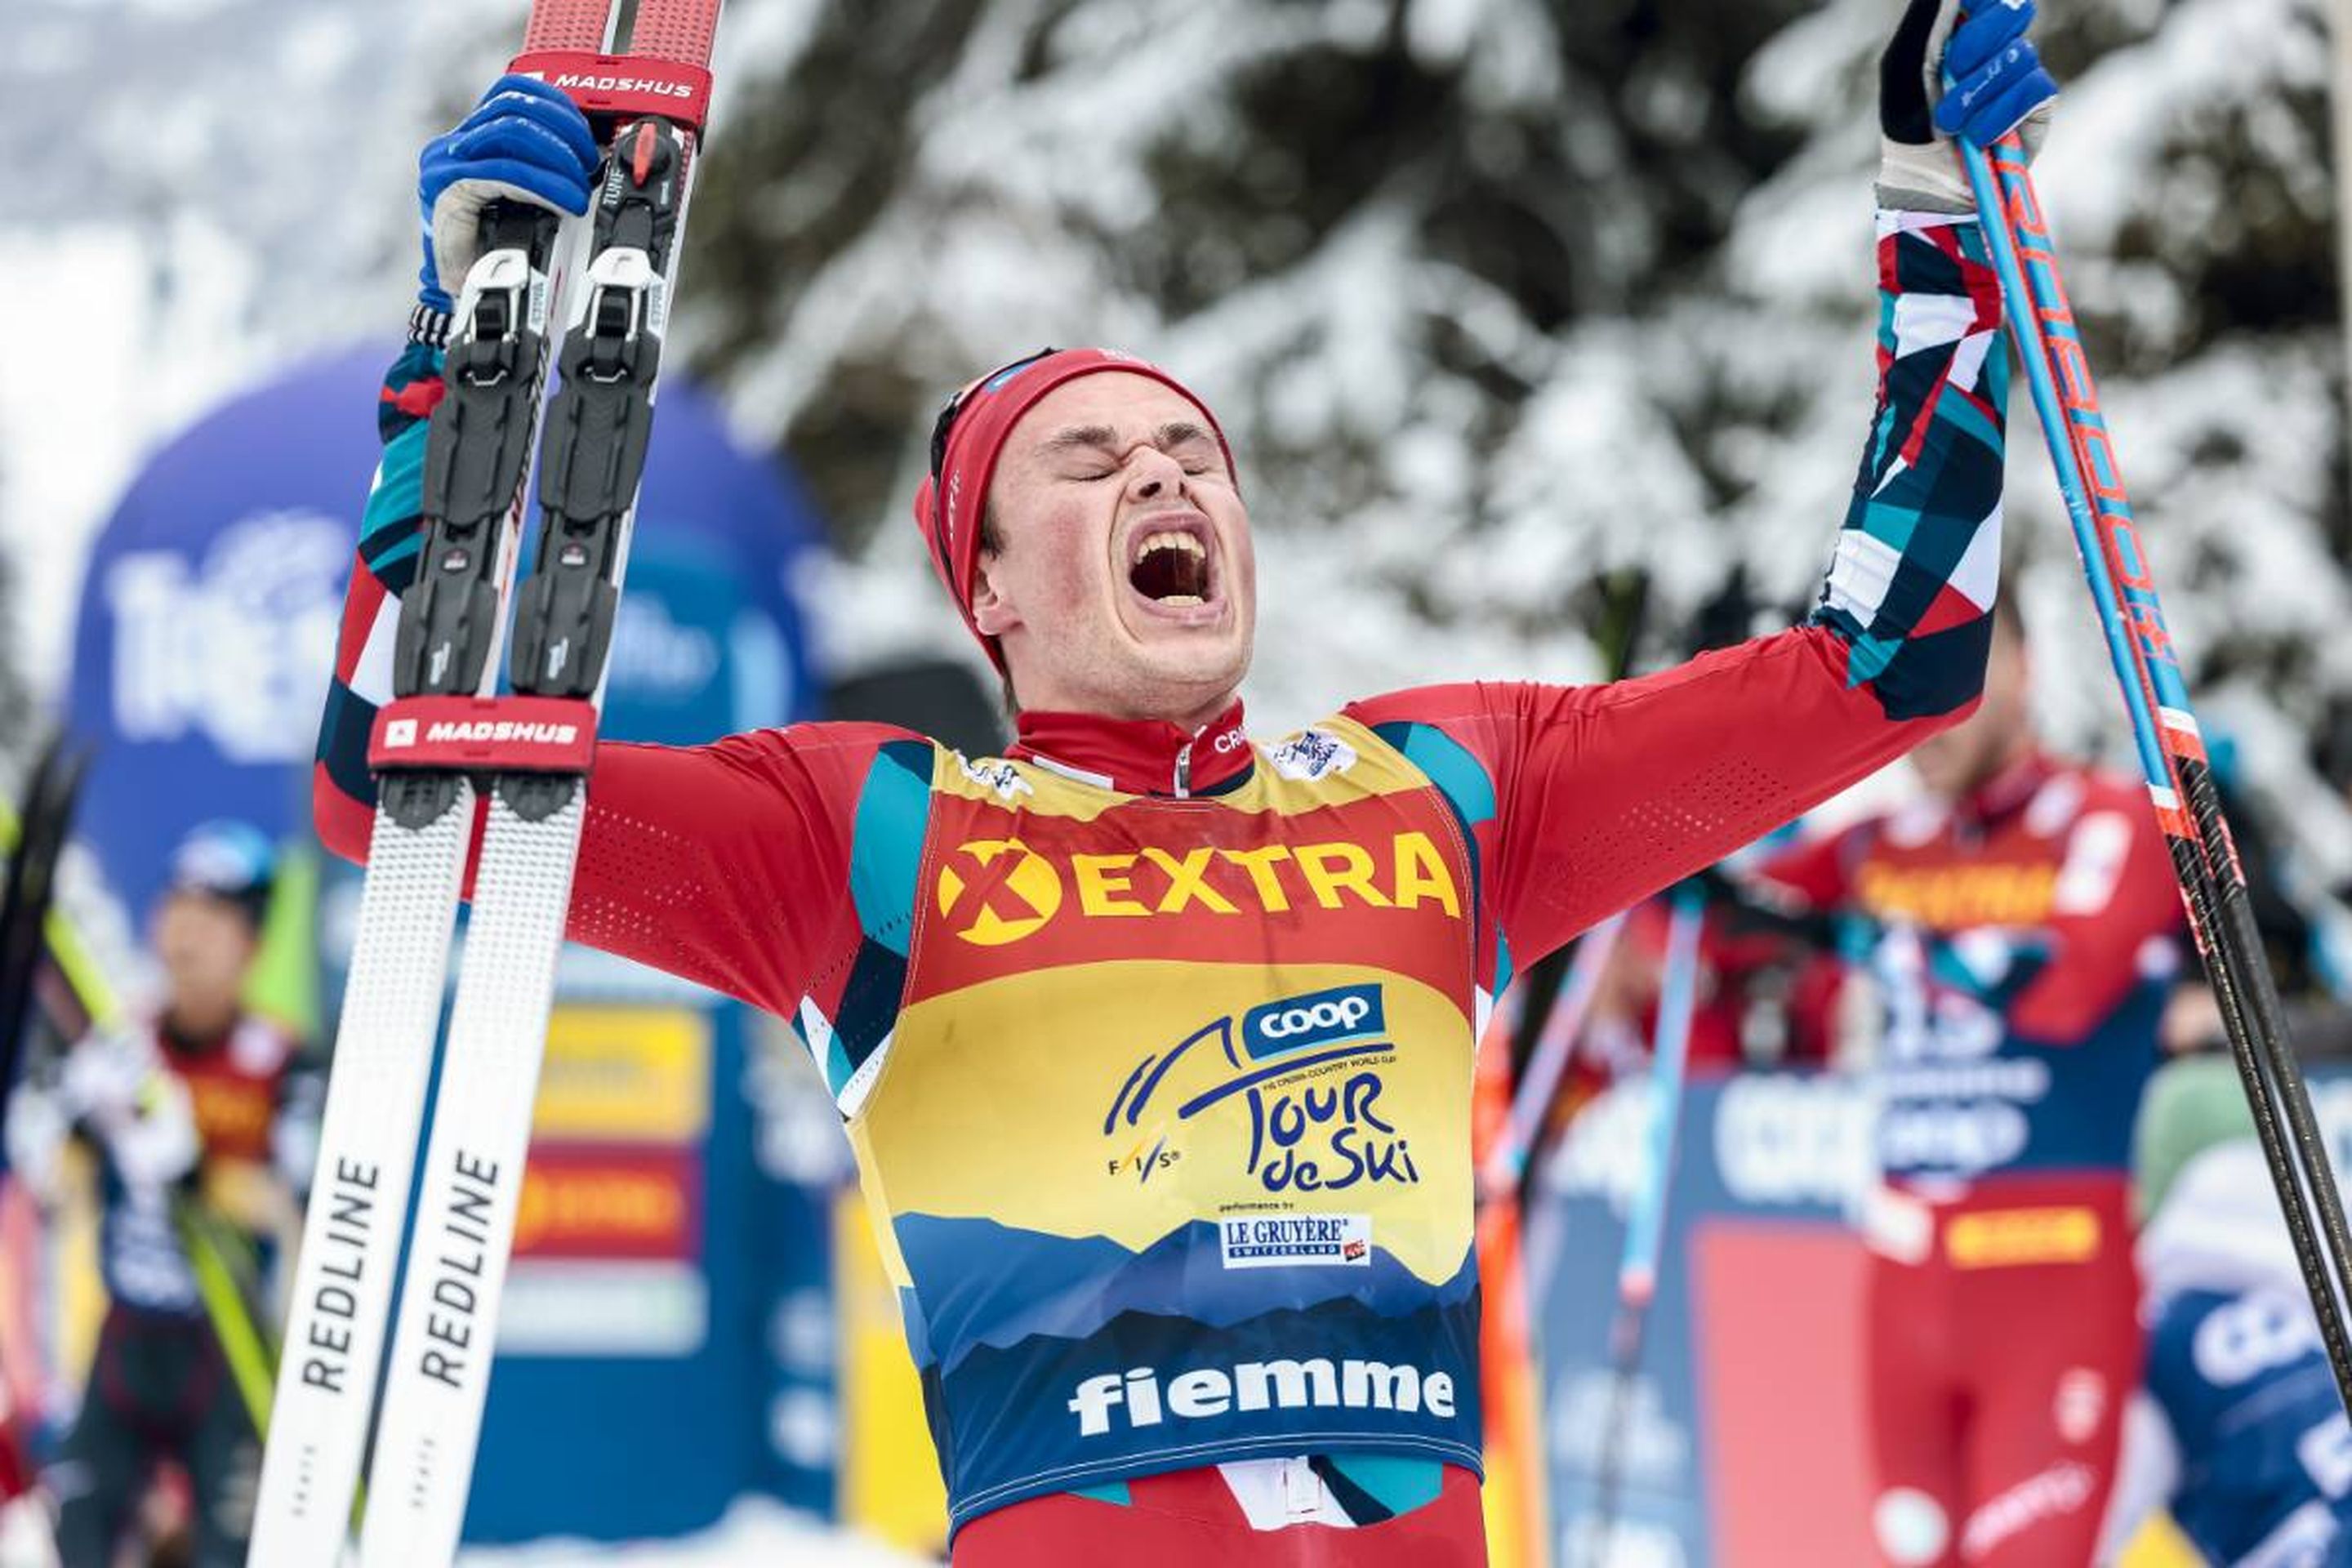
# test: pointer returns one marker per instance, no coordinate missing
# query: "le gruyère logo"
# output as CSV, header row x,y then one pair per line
x,y
996,891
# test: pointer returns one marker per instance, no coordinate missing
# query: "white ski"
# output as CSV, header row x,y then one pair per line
x,y
392,998
438,1374
447,659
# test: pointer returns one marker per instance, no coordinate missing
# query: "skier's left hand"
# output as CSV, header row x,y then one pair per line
x,y
1998,85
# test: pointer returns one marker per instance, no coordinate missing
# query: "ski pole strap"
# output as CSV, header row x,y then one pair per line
x,y
627,87
485,734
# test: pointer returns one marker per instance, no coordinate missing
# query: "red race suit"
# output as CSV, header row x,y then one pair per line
x,y
2021,945
1156,1046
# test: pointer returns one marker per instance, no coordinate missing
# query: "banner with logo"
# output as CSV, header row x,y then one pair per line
x,y
1757,1319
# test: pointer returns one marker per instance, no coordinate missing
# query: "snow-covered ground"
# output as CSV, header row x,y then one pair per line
x,y
754,1534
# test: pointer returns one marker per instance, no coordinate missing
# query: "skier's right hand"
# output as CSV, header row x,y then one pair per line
x,y
525,141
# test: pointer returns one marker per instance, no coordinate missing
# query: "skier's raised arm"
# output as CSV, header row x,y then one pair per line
x,y
1586,799
767,850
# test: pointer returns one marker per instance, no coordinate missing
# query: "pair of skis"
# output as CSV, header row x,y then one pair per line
x,y
439,748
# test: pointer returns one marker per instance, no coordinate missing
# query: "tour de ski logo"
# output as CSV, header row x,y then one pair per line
x,y
1304,1072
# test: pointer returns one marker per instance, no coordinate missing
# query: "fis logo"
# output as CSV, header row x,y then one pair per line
x,y
995,774
1318,1018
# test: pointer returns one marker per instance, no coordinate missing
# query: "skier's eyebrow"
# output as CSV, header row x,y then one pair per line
x,y
1083,437
1103,439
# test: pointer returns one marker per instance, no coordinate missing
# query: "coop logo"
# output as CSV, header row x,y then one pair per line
x,y
996,891
1319,1018
236,647
1793,1142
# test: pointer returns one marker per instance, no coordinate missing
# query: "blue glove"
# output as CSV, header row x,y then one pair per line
x,y
1998,86
1998,77
524,141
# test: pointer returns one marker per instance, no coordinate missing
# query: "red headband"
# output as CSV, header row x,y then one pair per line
x,y
981,419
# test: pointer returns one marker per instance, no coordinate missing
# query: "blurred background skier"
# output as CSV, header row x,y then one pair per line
x,y
200,1113
2020,921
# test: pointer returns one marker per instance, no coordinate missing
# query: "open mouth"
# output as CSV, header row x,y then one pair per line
x,y
1170,566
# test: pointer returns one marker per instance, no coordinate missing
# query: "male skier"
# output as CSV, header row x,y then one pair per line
x,y
1154,1040
202,1102
2021,918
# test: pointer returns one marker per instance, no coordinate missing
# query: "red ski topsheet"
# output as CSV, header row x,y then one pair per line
x,y
571,24
675,30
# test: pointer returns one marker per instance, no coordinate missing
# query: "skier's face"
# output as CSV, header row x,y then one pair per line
x,y
1125,584
1953,763
206,945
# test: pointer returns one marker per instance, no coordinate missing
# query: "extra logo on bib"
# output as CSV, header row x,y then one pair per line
x,y
1284,1241
994,891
